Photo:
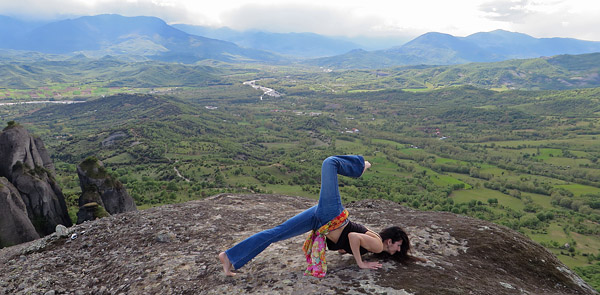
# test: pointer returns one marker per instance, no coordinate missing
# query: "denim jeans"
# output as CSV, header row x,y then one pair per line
x,y
329,206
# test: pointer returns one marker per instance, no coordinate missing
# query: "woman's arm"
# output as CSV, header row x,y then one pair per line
x,y
369,242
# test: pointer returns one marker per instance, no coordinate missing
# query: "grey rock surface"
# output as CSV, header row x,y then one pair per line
x,y
173,250
15,226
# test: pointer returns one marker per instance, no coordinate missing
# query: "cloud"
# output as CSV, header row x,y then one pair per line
x,y
515,11
562,25
548,18
292,17
539,18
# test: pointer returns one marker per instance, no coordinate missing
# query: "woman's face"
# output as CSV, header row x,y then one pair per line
x,y
394,247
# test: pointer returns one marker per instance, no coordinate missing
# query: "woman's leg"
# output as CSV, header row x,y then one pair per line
x,y
330,202
247,249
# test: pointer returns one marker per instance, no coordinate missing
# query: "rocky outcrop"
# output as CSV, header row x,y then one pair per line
x,y
173,250
15,226
102,189
26,164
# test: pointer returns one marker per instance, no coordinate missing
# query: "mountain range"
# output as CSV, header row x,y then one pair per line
x,y
110,34
150,38
304,45
443,49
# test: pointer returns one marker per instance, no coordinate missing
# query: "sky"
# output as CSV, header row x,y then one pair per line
x,y
578,19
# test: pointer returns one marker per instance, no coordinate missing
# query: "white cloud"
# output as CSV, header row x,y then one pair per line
x,y
539,18
300,18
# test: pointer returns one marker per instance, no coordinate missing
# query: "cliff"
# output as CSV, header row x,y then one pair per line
x,y
173,250
15,226
25,163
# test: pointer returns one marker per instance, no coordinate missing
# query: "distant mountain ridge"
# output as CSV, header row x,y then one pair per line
x,y
444,49
111,34
149,38
305,45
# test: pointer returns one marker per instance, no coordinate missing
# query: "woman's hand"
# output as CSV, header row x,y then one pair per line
x,y
370,265
342,251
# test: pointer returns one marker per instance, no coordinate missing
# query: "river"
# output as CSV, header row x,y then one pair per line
x,y
266,90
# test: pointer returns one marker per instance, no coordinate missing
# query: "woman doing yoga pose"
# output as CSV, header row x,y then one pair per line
x,y
329,225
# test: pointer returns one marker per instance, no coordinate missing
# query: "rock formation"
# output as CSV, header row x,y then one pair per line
x,y
25,163
15,226
173,250
100,188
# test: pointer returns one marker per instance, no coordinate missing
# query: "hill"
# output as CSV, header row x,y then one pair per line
x,y
108,71
444,49
172,250
149,37
112,110
557,72
39,71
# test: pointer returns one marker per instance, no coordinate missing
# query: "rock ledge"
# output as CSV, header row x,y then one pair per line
x,y
173,250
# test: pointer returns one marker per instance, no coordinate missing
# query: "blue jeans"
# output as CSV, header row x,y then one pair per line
x,y
329,207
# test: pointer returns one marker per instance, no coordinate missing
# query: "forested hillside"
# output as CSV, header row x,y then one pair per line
x,y
557,72
48,75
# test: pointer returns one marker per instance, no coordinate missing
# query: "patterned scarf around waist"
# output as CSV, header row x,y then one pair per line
x,y
314,246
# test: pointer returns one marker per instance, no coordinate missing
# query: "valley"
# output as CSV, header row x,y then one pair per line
x,y
515,142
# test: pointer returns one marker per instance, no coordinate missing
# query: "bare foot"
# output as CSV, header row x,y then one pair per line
x,y
227,266
367,166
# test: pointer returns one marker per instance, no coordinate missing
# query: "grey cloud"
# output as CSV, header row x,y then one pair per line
x,y
300,18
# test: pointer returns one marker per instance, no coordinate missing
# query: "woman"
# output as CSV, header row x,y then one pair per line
x,y
329,223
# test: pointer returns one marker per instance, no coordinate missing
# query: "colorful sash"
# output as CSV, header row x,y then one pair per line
x,y
314,246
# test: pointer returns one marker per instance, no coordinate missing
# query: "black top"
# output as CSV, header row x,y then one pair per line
x,y
343,242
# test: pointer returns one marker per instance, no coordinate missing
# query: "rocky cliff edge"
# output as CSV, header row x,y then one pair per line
x,y
173,250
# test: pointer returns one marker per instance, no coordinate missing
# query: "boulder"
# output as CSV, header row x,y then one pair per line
x,y
25,163
173,249
15,226
62,231
96,181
